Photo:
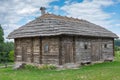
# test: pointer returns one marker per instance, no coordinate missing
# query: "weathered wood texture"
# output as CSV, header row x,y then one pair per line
x,y
36,50
63,49
52,39
97,49
18,50
49,25
107,52
67,50
82,54
27,49
52,55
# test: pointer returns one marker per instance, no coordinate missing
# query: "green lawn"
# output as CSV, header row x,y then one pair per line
x,y
117,56
102,71
10,63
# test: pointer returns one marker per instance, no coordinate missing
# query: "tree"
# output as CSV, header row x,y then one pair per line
x,y
1,35
1,43
8,46
5,48
117,42
8,49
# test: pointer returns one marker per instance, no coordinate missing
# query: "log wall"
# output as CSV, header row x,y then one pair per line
x,y
82,54
27,49
107,52
50,56
63,49
98,49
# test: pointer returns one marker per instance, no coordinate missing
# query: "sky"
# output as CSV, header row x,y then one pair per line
x,y
15,13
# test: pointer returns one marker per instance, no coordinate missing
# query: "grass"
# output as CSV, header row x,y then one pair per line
x,y
10,63
101,71
117,56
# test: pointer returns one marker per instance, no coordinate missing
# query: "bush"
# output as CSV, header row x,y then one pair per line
x,y
42,67
11,56
30,67
47,67
117,48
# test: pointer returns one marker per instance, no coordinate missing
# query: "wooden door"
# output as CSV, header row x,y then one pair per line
x,y
67,50
95,51
24,52
68,53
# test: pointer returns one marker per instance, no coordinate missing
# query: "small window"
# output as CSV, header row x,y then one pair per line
x,y
85,46
105,45
46,48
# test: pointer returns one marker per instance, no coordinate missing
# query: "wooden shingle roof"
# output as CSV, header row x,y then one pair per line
x,y
50,24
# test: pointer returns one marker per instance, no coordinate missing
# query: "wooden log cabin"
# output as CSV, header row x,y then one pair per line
x,y
52,39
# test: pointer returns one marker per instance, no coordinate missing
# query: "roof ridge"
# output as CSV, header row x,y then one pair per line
x,y
47,15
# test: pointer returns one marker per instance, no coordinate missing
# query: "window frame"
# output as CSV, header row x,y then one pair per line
x,y
85,46
46,48
105,46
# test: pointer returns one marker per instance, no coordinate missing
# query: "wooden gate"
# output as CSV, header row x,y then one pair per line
x,y
96,54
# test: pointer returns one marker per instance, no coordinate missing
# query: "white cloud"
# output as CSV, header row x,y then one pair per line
x,y
12,11
8,28
118,36
90,10
118,25
27,10
56,8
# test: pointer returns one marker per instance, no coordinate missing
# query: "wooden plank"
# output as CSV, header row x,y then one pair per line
x,y
24,53
32,56
24,46
95,51
60,51
40,50
15,50
50,57
74,53
67,49
113,48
